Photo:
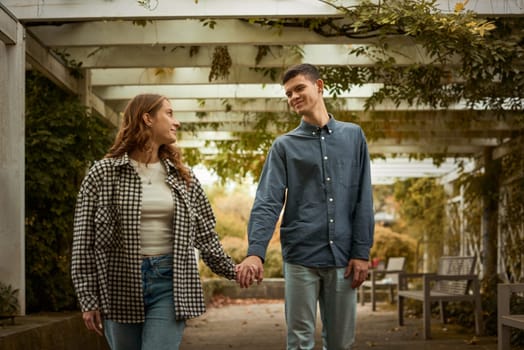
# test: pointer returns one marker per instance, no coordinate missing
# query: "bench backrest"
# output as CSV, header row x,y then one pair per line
x,y
395,264
455,265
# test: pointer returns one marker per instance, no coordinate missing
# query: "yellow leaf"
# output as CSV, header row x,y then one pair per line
x,y
489,26
459,6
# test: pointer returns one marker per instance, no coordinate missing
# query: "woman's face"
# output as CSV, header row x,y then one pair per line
x,y
164,125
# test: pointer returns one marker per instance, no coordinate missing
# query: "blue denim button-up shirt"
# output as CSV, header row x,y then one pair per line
x,y
322,176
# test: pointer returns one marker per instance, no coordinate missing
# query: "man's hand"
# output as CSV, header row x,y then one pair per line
x,y
93,321
359,269
249,270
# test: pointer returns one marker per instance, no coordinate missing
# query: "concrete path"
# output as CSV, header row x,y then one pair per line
x,y
242,324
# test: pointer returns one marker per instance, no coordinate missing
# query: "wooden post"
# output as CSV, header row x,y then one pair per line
x,y
12,154
491,184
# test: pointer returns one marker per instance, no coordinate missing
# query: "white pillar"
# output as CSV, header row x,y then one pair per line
x,y
12,163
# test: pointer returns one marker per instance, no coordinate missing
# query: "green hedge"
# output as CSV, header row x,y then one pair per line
x,y
61,140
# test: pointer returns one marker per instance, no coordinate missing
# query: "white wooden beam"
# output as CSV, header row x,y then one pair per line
x,y
178,32
388,133
387,149
278,104
438,142
174,76
223,91
12,170
44,61
41,59
414,120
173,56
348,104
100,107
8,26
58,10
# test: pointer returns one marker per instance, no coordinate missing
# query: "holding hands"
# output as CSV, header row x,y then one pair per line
x,y
249,270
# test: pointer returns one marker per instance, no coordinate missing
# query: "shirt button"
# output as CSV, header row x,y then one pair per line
x,y
330,242
323,137
328,179
331,220
314,133
325,157
331,199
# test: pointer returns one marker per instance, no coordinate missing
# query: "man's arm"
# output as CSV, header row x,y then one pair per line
x,y
266,210
363,223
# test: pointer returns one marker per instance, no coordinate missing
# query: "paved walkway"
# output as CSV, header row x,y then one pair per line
x,y
245,325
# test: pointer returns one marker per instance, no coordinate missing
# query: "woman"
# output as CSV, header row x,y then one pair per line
x,y
140,213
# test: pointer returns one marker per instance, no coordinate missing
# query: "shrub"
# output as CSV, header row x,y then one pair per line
x,y
388,243
61,140
8,300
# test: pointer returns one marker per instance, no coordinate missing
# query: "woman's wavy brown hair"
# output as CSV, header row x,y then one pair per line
x,y
135,135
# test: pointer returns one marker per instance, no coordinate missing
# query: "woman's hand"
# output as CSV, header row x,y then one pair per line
x,y
93,321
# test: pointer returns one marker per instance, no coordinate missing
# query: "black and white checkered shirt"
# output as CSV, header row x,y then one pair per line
x,y
106,259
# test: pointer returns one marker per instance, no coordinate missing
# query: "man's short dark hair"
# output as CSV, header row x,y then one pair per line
x,y
305,69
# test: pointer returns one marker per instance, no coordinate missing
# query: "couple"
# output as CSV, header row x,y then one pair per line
x,y
141,213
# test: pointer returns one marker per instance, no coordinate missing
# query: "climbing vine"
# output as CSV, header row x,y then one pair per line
x,y
458,58
61,141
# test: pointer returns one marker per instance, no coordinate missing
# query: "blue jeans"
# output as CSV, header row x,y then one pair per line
x,y
304,288
160,330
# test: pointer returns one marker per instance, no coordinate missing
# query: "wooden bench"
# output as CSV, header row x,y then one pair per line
x,y
454,281
382,279
506,320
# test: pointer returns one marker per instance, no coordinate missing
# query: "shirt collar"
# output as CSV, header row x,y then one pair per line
x,y
312,129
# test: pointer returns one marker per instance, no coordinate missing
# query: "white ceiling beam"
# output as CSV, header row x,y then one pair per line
x,y
348,104
104,110
178,32
391,169
278,104
223,91
172,56
444,141
174,76
8,26
59,10
48,64
388,149
393,131
409,120
425,149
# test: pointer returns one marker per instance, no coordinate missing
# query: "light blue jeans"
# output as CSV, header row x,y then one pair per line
x,y
160,330
304,288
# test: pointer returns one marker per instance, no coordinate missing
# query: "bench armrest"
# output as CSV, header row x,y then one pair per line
x,y
504,291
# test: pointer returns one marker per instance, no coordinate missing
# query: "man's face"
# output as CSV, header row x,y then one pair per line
x,y
303,94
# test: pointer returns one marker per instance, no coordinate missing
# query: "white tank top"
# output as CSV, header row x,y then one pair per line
x,y
156,221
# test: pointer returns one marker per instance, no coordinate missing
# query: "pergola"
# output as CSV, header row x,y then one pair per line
x,y
167,47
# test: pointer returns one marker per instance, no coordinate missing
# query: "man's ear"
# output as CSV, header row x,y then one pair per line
x,y
320,85
146,117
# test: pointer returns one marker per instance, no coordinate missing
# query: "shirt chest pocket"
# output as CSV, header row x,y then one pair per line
x,y
107,228
348,173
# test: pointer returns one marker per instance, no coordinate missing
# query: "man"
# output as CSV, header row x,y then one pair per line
x,y
320,171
